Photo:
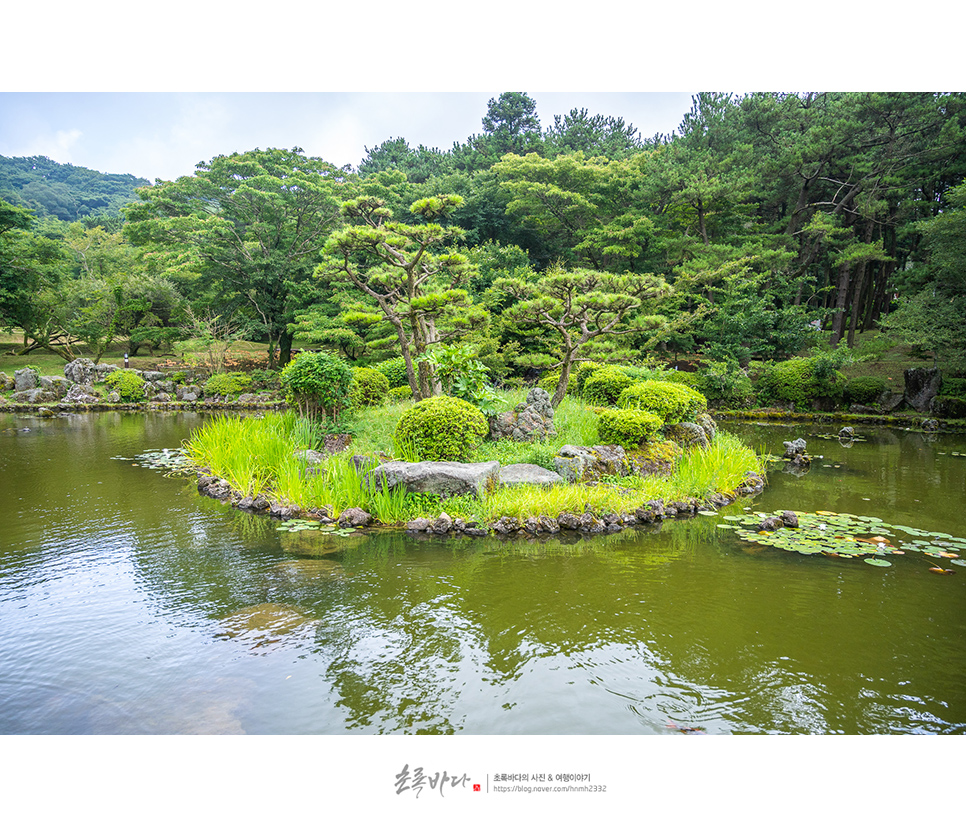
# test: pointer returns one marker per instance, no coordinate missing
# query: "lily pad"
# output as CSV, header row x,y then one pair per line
x,y
881,563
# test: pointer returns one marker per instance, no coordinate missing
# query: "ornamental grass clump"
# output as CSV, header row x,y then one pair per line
x,y
671,401
440,428
627,427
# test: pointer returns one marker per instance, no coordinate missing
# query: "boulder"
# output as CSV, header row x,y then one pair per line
x,y
687,435
81,371
794,447
25,379
354,517
36,395
922,385
155,377
580,463
529,421
188,393
81,393
58,384
436,477
706,421
517,474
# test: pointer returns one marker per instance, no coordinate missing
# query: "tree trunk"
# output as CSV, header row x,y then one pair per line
x,y
284,348
841,299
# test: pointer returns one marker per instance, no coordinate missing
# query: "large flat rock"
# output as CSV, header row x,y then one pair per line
x,y
438,477
517,474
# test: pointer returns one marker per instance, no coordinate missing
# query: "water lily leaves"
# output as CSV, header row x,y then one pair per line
x,y
706,512
960,562
847,536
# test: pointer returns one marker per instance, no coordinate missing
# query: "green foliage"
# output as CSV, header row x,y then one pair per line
x,y
673,402
605,385
463,375
369,387
582,371
227,385
441,428
265,379
400,393
953,387
864,390
801,381
724,382
950,408
627,427
319,384
128,384
394,370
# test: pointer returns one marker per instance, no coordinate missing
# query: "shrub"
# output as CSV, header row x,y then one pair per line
x,y
627,427
951,408
549,381
604,386
441,428
227,385
394,370
128,384
802,380
722,381
864,389
400,393
671,401
369,387
265,379
953,387
580,372
318,383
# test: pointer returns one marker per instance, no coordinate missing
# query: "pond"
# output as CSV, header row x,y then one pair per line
x,y
131,604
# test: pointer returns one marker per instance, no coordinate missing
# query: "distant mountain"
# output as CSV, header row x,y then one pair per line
x,y
67,192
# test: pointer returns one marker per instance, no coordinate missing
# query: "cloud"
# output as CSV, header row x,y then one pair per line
x,y
57,145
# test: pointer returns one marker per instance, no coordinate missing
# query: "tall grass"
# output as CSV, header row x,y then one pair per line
x,y
257,455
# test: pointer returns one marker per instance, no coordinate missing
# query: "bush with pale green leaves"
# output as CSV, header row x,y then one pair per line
x,y
627,427
369,387
441,428
605,385
672,401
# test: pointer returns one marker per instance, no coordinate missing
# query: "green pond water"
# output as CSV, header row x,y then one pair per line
x,y
131,604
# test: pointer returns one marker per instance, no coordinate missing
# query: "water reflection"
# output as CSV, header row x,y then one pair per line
x,y
147,608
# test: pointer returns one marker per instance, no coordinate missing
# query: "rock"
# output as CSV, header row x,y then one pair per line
x,y
568,521
355,517
81,393
81,371
45,412
335,443
517,474
930,425
789,519
687,435
311,461
889,401
529,421
6,382
794,447
25,379
436,477
506,526
101,370
442,525
706,421
154,376
419,525
279,510
922,385
36,395
58,384
162,397
770,524
188,393
579,463
846,432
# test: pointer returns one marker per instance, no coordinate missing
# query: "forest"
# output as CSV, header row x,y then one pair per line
x,y
827,226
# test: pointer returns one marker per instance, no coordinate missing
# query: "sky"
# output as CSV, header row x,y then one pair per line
x,y
164,135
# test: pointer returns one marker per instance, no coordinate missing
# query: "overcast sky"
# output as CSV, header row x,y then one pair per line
x,y
164,135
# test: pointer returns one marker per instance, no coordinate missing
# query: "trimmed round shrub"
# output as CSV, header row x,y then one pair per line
x,y
441,428
672,401
128,384
318,384
369,387
580,372
864,389
796,381
394,370
627,427
227,385
400,393
604,386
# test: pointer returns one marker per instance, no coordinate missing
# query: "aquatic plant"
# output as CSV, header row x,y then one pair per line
x,y
848,536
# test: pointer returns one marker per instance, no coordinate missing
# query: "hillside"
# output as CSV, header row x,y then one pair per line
x,y
66,192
